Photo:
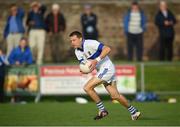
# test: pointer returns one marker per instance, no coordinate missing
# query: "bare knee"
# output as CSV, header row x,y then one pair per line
x,y
115,97
87,88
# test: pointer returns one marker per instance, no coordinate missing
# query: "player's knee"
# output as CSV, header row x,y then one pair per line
x,y
115,97
87,88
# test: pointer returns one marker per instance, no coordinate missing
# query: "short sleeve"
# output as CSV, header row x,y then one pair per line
x,y
98,46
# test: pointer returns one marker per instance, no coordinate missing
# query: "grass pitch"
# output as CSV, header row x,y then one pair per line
x,y
72,114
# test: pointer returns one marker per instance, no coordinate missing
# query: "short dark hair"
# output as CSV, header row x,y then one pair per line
x,y
24,38
77,33
135,3
13,5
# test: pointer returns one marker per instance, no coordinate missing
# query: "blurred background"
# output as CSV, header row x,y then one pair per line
x,y
142,34
110,16
38,65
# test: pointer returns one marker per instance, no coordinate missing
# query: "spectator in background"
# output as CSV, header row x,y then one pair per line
x,y
14,28
36,25
134,27
165,21
3,63
21,55
89,22
56,26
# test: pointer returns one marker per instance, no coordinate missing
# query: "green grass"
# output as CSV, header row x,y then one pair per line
x,y
70,113
157,78
162,78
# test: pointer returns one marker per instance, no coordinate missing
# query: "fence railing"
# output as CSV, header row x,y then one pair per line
x,y
158,77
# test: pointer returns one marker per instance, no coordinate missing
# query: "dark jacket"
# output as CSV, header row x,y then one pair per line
x,y
24,57
127,19
2,66
89,26
165,31
37,18
50,22
19,21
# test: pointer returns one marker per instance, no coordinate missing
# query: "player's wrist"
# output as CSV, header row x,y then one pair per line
x,y
98,59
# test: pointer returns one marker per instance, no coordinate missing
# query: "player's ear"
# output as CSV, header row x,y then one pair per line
x,y
80,38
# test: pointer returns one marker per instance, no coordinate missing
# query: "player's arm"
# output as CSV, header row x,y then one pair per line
x,y
105,51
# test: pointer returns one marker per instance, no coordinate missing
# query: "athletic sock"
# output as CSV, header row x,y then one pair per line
x,y
100,106
132,109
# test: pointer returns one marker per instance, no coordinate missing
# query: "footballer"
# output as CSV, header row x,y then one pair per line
x,y
97,54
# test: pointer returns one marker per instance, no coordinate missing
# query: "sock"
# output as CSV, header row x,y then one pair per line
x,y
132,109
100,106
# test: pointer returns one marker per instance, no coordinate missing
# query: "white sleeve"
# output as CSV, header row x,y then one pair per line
x,y
95,45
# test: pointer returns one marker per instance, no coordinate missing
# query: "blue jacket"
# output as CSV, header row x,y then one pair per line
x,y
38,18
19,20
127,19
21,56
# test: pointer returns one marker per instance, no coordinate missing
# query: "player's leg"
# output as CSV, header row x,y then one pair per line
x,y
115,95
89,89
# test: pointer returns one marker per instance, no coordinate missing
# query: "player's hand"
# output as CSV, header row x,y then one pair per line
x,y
93,64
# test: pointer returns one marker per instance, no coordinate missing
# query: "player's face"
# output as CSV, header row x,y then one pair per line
x,y
75,41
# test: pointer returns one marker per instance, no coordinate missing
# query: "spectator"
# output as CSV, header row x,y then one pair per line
x,y
56,26
134,27
14,28
165,21
21,55
89,22
3,62
37,27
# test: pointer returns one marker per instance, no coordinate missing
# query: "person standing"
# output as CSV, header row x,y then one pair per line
x,y
56,25
37,30
14,28
165,21
89,23
3,63
134,27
